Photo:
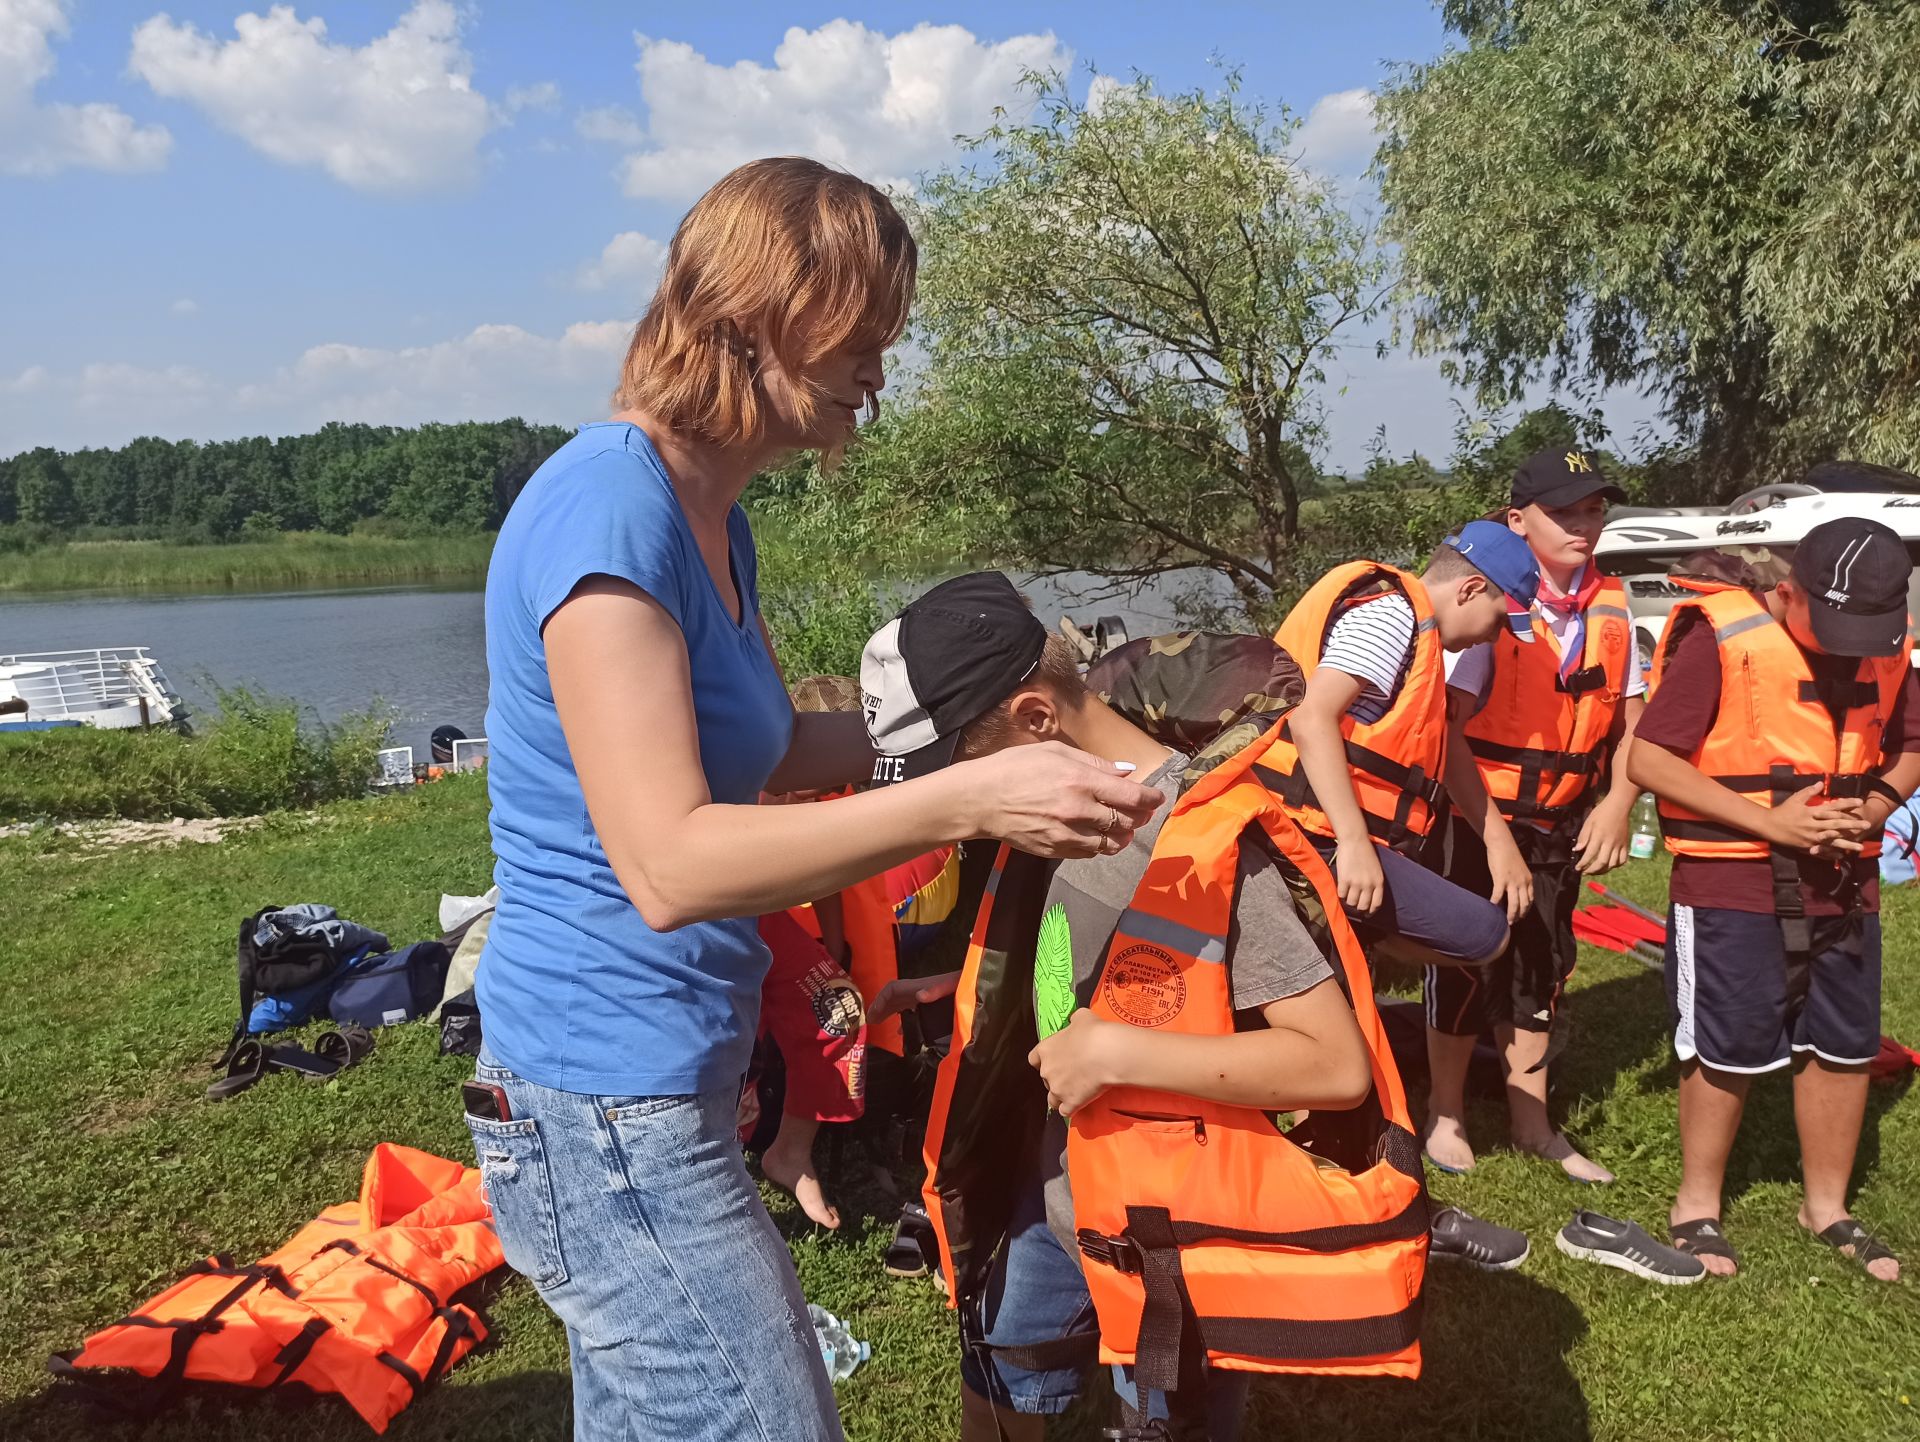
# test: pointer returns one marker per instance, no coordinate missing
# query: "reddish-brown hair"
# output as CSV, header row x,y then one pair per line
x,y
774,241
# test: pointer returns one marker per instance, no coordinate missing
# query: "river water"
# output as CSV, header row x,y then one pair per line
x,y
420,650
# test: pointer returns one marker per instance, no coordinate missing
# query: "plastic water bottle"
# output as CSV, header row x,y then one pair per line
x,y
1646,828
837,1347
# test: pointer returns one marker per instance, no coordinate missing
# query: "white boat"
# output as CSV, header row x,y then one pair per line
x,y
111,687
1641,544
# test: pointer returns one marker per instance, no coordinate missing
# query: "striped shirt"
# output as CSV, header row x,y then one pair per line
x,y
1373,643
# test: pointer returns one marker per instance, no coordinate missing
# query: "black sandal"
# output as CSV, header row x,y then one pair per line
x,y
1702,1237
246,1064
1847,1232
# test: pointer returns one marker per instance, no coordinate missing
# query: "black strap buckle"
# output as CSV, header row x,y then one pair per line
x,y
1123,1254
1587,678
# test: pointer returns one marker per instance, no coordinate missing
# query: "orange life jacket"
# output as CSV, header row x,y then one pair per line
x,y
359,1303
1541,739
1204,1226
1397,761
1772,736
873,957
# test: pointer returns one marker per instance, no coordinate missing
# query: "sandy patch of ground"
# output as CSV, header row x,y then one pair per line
x,y
201,831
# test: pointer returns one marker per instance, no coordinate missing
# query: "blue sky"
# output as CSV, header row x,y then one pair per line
x,y
224,223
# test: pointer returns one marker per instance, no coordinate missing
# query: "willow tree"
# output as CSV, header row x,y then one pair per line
x,y
1126,310
1715,200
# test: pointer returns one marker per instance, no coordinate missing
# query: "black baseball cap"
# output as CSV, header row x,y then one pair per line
x,y
940,665
1559,476
1855,574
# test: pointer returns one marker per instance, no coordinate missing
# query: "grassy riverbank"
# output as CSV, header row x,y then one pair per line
x,y
296,558
254,754
118,969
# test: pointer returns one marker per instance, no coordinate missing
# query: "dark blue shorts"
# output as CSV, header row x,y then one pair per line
x,y
1036,1293
1422,905
1740,1004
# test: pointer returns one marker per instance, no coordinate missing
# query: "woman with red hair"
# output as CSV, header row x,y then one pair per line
x,y
636,714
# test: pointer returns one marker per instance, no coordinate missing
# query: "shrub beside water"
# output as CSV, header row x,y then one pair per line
x,y
295,558
253,755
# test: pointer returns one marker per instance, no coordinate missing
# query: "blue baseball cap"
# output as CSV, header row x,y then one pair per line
x,y
1507,561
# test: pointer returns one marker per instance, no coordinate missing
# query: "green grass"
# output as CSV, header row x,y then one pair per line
x,y
118,977
253,754
297,558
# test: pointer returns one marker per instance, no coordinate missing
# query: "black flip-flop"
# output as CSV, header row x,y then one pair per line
x,y
333,1052
1702,1237
1847,1232
246,1064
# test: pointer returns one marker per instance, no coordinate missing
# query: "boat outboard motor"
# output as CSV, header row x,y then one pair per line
x,y
442,743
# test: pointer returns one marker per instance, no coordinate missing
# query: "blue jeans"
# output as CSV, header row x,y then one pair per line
x,y
636,1221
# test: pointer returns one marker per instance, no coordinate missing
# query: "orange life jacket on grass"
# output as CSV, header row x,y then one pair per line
x,y
359,1303
1772,736
1397,761
1541,740
1204,1226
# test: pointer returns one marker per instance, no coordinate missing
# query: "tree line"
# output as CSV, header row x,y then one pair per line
x,y
459,477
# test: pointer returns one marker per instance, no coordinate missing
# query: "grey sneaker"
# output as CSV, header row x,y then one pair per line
x,y
1462,1237
1613,1243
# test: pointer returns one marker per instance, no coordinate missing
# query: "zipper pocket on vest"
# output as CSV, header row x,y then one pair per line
x,y
1199,1124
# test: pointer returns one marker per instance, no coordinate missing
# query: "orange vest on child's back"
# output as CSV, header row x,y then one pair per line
x,y
1773,736
1396,762
1203,1226
1541,739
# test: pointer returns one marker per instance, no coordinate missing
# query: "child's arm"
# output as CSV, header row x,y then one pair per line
x,y
832,917
1314,726
910,991
1829,827
1512,877
1603,840
1310,1055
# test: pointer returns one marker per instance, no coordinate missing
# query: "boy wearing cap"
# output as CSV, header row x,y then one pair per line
x,y
1783,730
968,670
1360,760
1536,769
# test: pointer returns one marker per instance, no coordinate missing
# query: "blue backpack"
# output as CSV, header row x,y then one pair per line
x,y
391,986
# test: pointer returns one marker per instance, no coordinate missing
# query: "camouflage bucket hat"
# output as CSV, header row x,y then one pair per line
x,y
826,693
1207,693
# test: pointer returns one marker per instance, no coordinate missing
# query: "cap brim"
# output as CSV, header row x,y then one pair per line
x,y
1576,490
1520,622
923,762
1841,633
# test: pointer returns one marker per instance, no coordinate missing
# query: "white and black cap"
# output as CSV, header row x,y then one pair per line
x,y
1855,574
940,665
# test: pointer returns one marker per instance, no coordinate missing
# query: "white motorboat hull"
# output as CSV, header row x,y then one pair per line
x,y
112,688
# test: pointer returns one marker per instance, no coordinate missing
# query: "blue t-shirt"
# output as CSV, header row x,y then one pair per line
x,y
576,991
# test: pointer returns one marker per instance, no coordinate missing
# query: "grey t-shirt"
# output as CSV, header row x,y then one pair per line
x,y
1270,956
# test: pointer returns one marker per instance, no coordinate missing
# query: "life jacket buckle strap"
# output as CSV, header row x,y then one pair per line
x,y
1121,1253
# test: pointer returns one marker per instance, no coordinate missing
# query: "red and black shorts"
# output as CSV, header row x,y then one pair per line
x,y
1522,986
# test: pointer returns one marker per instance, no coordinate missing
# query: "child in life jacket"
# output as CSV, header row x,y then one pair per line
x,y
1360,762
1783,729
968,670
1536,767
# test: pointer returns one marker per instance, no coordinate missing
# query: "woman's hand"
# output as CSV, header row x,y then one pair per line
x,y
1055,801
910,991
1079,1061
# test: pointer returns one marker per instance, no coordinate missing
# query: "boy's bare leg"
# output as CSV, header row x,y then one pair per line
x,y
1829,1105
977,1421
788,1164
1448,1058
1710,1106
1531,1129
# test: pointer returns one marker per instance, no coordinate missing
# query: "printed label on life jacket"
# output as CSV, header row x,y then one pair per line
x,y
836,1004
1144,987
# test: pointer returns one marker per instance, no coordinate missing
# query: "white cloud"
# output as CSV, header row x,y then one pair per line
x,y
1337,137
631,261
397,114
491,372
544,96
43,139
613,124
1100,90
186,305
885,107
